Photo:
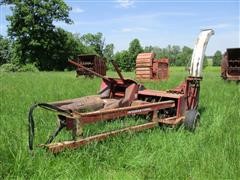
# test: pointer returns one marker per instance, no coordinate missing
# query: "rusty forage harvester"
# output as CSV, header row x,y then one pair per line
x,y
119,97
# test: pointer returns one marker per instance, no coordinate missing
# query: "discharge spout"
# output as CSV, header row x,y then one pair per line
x,y
199,51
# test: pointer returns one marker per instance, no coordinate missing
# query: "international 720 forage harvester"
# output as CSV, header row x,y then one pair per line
x,y
119,97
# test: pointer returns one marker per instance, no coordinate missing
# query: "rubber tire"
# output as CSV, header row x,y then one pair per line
x,y
191,120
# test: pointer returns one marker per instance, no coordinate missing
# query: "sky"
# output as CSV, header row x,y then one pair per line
x,y
153,22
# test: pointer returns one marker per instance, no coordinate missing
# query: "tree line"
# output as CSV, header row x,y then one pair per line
x,y
34,40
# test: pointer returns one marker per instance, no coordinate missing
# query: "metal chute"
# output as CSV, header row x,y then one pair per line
x,y
199,51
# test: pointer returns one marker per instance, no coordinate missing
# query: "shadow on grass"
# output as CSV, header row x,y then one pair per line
x,y
201,110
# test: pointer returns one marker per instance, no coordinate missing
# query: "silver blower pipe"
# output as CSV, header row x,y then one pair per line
x,y
199,52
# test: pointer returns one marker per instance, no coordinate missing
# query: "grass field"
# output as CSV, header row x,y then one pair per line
x,y
212,152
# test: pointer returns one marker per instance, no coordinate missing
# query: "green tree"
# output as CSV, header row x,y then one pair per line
x,y
174,51
82,48
157,50
122,59
161,52
108,54
217,57
134,49
205,62
108,51
148,49
95,42
170,52
64,46
33,31
184,57
4,50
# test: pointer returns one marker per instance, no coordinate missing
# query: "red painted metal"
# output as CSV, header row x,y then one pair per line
x,y
119,97
103,115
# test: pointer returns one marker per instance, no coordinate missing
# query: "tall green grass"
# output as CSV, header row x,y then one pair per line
x,y
212,152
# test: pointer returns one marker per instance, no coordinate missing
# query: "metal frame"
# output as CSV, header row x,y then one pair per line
x,y
76,122
121,97
165,107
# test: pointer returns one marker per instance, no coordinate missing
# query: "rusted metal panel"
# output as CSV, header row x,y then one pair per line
x,y
92,117
160,69
130,95
87,103
233,78
89,70
150,92
93,62
181,106
230,65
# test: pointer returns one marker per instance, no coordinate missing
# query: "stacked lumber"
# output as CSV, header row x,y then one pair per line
x,y
144,64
